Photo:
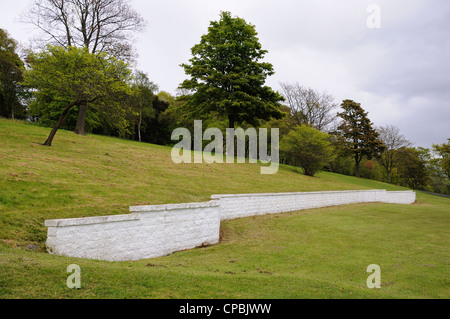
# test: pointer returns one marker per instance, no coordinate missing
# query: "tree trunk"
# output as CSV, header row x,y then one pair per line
x,y
81,119
139,125
357,164
58,125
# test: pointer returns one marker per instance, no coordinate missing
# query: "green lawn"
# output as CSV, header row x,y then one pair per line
x,y
321,253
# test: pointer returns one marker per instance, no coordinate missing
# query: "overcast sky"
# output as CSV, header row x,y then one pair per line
x,y
400,72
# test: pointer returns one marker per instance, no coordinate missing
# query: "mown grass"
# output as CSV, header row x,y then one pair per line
x,y
320,253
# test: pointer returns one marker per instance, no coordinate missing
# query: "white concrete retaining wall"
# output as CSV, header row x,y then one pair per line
x,y
237,206
150,231
407,198
155,231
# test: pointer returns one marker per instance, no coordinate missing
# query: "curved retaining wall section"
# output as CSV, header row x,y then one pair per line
x,y
238,206
159,230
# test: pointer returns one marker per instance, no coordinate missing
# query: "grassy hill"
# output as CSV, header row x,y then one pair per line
x,y
320,253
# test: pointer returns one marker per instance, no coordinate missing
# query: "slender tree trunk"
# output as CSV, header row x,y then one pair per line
x,y
357,164
9,99
58,125
81,119
389,166
139,125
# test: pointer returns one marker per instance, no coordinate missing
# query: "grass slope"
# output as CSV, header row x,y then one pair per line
x,y
320,253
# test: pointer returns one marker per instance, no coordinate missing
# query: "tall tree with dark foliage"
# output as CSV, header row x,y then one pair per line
x,y
227,75
359,138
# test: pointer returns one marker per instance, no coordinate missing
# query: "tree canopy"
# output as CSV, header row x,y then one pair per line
x,y
392,140
74,76
11,69
142,101
443,151
96,25
413,170
359,138
227,75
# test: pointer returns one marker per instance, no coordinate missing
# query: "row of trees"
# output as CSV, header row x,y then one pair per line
x,y
352,145
83,80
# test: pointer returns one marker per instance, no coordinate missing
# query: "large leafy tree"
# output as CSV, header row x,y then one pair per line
x,y
443,152
11,69
412,166
358,137
73,77
228,77
97,25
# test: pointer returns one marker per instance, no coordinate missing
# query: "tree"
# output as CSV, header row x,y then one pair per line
x,y
97,25
359,138
45,109
438,180
412,166
226,75
74,76
157,129
308,106
11,69
392,140
307,148
166,97
284,125
439,168
142,101
370,166
443,152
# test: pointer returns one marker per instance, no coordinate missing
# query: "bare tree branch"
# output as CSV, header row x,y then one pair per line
x,y
99,25
309,106
393,140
